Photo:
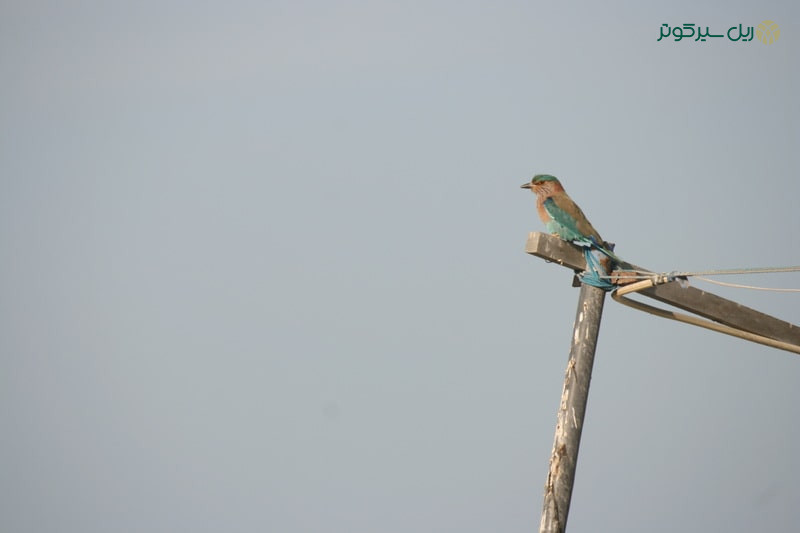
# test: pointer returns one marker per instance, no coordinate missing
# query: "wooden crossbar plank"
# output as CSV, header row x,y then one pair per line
x,y
555,250
724,311
689,299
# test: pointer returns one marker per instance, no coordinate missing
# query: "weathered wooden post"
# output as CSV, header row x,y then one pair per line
x,y
578,376
564,457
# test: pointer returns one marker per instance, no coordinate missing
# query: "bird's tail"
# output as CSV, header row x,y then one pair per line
x,y
600,262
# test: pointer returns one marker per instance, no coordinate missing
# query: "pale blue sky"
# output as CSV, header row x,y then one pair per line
x,y
264,270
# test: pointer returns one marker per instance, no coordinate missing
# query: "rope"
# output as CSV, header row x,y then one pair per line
x,y
740,286
724,272
701,275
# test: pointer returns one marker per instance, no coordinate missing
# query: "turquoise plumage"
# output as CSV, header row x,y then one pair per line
x,y
562,217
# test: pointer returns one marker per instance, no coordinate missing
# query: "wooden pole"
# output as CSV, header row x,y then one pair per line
x,y
561,476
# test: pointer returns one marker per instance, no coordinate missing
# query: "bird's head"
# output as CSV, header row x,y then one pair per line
x,y
543,183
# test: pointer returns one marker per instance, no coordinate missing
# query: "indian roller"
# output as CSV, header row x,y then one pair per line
x,y
562,217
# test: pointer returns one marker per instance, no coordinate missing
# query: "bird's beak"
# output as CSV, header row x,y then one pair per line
x,y
526,185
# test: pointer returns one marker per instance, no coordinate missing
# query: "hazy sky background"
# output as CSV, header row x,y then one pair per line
x,y
263,265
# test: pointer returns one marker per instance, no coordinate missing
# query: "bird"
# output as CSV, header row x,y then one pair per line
x,y
562,217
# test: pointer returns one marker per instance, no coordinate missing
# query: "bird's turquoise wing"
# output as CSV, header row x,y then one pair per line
x,y
569,222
